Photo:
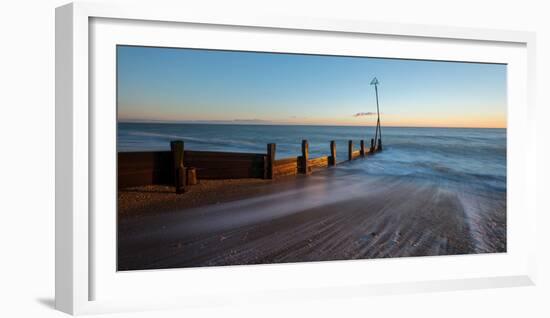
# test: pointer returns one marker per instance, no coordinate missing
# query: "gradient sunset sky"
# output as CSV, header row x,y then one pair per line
x,y
190,85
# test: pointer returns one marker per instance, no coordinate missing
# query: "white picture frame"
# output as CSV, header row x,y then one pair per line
x,y
77,255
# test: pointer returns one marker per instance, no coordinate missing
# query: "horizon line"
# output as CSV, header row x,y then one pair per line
x,y
240,123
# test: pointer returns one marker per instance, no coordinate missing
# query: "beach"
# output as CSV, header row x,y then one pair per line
x,y
334,214
430,192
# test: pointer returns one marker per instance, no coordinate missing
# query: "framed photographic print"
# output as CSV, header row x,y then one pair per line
x,y
210,159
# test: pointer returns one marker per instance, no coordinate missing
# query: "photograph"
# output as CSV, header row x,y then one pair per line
x,y
228,157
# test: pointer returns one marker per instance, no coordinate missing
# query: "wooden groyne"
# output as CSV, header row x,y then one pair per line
x,y
180,167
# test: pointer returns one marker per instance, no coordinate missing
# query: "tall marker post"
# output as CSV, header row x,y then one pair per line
x,y
378,133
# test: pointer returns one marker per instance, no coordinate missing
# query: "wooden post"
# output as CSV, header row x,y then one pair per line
x,y
191,176
379,144
372,145
266,167
350,150
270,160
179,168
362,148
332,160
305,157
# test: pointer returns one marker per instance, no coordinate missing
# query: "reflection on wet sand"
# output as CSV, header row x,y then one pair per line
x,y
332,215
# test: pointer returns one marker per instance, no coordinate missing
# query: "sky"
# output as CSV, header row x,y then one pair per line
x,y
196,85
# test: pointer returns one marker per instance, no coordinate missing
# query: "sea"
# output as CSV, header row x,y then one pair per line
x,y
476,155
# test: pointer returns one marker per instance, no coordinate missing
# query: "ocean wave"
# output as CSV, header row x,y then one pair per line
x,y
196,140
476,156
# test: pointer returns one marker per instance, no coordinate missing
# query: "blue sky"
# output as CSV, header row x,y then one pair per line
x,y
165,84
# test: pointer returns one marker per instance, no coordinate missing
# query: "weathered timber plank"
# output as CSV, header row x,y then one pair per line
x,y
285,171
286,161
229,173
287,166
216,154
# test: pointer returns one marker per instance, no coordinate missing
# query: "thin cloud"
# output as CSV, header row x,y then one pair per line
x,y
251,121
364,114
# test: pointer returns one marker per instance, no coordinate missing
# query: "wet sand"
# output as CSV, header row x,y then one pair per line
x,y
333,214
